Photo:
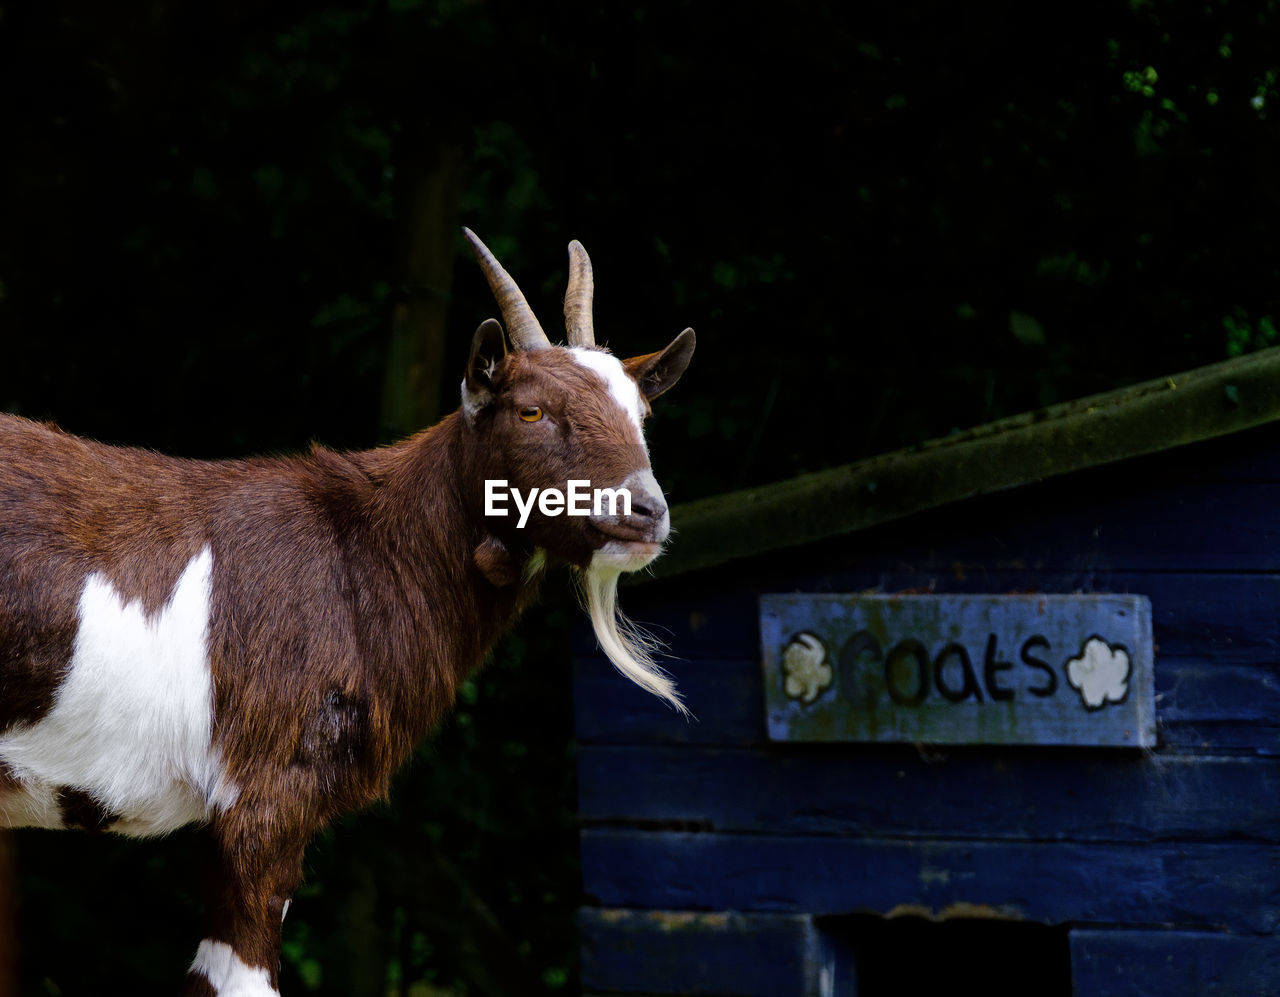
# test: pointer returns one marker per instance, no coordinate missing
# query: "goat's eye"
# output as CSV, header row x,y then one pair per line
x,y
531,414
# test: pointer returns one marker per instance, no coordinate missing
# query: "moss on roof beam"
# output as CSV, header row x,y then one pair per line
x,y
1147,418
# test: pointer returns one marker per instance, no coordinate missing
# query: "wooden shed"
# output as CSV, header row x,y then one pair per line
x,y
814,832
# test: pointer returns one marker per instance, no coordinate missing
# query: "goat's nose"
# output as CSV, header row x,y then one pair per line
x,y
648,506
647,502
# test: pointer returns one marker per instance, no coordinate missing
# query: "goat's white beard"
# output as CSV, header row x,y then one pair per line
x,y
629,648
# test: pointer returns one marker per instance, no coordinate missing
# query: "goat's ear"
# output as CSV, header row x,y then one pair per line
x,y
656,372
488,347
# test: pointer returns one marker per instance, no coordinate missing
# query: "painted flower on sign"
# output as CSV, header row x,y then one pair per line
x,y
1100,673
805,672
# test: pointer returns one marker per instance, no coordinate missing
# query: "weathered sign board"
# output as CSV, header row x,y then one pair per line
x,y
959,669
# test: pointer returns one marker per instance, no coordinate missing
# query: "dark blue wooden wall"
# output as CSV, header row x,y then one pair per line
x,y
711,857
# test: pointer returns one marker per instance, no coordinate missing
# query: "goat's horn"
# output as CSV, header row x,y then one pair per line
x,y
577,300
522,324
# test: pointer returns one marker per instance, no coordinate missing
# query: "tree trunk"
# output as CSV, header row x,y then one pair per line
x,y
429,185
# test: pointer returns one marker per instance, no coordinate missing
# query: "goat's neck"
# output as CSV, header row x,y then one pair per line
x,y
425,533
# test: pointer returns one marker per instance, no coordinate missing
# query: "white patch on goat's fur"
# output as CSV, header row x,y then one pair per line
x,y
131,723
622,386
228,974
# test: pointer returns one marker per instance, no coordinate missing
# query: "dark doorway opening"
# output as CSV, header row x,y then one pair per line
x,y
911,955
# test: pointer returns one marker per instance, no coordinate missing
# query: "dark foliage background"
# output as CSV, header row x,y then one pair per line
x,y
227,228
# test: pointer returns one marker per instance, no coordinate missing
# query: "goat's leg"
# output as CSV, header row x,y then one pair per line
x,y
255,874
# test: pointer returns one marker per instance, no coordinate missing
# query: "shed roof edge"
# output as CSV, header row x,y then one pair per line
x,y
1146,418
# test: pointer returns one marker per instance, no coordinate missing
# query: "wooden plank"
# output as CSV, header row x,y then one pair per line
x,y
1222,617
1217,670
1173,964
1201,705
1185,527
1098,521
726,697
1213,886
1262,740
887,792
959,669
723,953
1195,691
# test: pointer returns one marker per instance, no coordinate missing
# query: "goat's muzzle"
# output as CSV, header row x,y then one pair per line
x,y
633,540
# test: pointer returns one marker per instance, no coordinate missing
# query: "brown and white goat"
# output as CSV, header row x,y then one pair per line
x,y
258,644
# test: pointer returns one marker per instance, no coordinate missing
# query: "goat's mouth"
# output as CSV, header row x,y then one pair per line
x,y
629,545
632,532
